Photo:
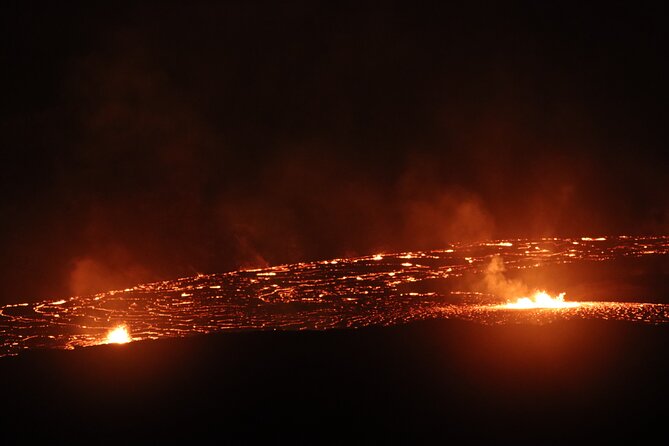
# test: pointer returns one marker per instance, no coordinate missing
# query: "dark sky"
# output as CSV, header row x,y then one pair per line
x,y
147,140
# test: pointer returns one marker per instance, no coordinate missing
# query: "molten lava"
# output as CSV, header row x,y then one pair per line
x,y
118,335
541,299
354,292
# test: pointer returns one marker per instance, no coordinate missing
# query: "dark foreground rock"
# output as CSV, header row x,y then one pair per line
x,y
438,380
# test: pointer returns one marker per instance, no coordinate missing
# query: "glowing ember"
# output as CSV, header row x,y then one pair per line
x,y
119,335
541,299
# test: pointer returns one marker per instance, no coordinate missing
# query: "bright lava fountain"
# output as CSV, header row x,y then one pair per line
x,y
119,335
541,299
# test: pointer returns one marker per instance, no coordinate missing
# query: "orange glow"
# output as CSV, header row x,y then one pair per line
x,y
118,335
541,299
475,284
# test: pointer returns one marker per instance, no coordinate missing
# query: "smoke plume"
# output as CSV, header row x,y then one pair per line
x,y
497,283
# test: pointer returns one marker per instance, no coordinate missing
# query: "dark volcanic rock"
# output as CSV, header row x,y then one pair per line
x,y
438,380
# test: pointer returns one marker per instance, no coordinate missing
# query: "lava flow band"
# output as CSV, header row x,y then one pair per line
x,y
382,289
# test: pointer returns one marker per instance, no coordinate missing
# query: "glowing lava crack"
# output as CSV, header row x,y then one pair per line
x,y
381,289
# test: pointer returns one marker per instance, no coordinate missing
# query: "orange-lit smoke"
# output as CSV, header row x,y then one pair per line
x,y
102,273
498,284
516,293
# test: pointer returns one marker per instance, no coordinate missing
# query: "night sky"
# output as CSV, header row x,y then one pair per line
x,y
142,141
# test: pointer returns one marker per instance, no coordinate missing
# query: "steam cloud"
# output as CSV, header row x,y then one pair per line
x,y
497,283
243,141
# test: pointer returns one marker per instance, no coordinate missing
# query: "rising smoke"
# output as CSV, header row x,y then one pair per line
x,y
495,282
257,136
